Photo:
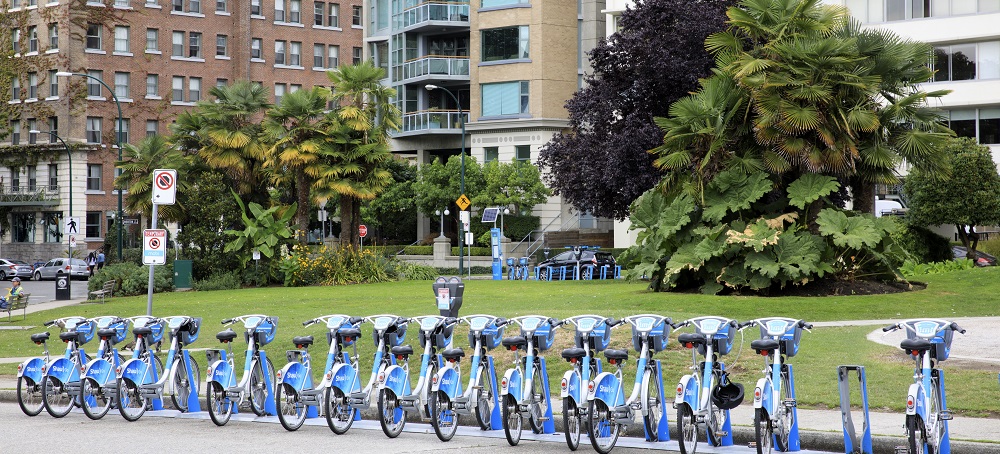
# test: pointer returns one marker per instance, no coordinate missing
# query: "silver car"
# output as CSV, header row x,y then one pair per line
x,y
10,268
60,267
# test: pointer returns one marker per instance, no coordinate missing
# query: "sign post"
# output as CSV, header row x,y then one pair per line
x,y
164,193
362,232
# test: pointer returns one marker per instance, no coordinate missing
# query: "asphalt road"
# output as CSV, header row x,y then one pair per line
x,y
44,291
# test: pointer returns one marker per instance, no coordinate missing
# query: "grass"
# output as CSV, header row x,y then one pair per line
x,y
958,294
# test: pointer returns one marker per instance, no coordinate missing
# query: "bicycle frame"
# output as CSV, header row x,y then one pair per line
x,y
768,390
67,368
397,378
297,374
139,371
35,368
381,361
575,379
222,373
517,382
102,368
695,390
480,326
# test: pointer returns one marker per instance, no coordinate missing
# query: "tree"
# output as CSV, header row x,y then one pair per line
x,y
263,232
517,184
210,209
968,197
392,216
137,166
601,165
437,188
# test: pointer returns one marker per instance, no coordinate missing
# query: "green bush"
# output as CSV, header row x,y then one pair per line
x,y
922,244
220,281
454,271
477,251
332,266
418,250
991,247
133,279
405,271
911,268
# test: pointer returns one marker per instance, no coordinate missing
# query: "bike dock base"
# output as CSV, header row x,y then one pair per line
x,y
853,442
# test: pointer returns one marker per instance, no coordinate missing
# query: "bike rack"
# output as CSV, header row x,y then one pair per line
x,y
496,422
194,400
269,406
794,443
548,426
663,427
853,444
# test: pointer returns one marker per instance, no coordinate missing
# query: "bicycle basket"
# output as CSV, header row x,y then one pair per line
x,y
544,335
395,335
523,261
600,335
492,335
189,332
85,332
265,332
510,262
722,342
659,335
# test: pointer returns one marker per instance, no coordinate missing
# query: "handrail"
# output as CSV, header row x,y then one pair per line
x,y
529,251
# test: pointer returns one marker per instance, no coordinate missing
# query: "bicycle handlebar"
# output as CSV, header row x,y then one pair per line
x,y
50,323
954,327
804,325
227,321
890,328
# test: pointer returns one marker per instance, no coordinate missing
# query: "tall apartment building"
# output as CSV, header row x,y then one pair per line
x,y
160,57
512,64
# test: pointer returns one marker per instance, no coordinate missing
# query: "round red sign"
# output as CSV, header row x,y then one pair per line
x,y
362,230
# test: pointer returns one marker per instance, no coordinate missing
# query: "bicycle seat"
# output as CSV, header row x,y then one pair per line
x,y
514,343
689,340
302,341
453,354
574,353
349,334
142,331
402,351
67,336
919,345
764,344
39,338
616,356
226,336
108,333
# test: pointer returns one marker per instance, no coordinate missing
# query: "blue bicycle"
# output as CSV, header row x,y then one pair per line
x,y
928,341
223,395
593,334
97,387
31,373
389,332
61,380
142,387
480,397
517,269
524,389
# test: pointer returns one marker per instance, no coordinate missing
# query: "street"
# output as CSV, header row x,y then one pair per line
x,y
45,291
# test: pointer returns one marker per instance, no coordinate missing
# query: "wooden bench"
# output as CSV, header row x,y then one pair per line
x,y
19,301
106,291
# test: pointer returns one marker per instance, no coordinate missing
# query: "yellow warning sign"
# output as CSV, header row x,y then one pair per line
x,y
463,202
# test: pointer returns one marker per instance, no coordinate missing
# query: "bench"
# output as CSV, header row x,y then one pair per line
x,y
106,292
19,301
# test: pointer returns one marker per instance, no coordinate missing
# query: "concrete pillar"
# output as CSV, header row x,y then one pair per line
x,y
442,250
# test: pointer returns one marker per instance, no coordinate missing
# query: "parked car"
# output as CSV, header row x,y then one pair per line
x,y
581,257
10,268
61,266
982,258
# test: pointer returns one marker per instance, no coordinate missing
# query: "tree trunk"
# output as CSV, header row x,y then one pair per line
x,y
356,219
302,214
863,194
349,220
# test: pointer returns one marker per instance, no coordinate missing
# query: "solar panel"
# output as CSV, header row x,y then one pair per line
x,y
490,214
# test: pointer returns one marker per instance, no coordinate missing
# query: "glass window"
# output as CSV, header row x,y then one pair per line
x,y
152,39
334,17
495,3
93,224
32,178
93,86
319,13
152,127
52,225
93,36
942,69
255,46
53,177
989,126
32,126
121,39
319,55
959,7
505,43
963,62
989,60
221,45
123,134
32,85
177,49
491,154
194,6
53,83
22,227
255,7
15,88
333,52
53,36
194,89
15,37
279,10
122,90
15,133
279,52
152,85
221,83
296,54
177,5
220,6
356,15
15,178
279,92
295,11
195,45
33,38
122,4
963,122
53,128
358,54
507,98
177,89
522,153
895,10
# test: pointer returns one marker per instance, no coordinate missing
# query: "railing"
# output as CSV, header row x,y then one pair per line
x,y
433,119
535,238
433,11
436,65
28,194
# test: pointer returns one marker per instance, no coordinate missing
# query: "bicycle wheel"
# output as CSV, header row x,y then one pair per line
x,y
601,427
512,420
183,388
687,428
258,387
57,401
444,420
571,423
392,417
540,404
763,431
786,417
29,396
220,408
935,432
131,403
653,404
291,409
339,415
484,403
716,418
916,435
93,400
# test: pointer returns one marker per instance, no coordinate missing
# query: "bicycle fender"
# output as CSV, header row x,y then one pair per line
x,y
570,386
913,395
100,370
394,378
220,372
293,374
61,368
134,370
759,393
607,389
687,392
33,368
511,384
343,377
447,380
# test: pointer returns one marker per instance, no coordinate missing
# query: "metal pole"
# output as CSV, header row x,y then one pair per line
x,y
149,291
69,158
461,118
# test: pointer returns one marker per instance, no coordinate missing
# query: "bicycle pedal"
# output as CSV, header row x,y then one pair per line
x,y
946,415
722,434
790,403
635,406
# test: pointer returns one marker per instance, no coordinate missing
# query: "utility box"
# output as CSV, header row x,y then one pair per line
x,y
62,287
448,296
182,273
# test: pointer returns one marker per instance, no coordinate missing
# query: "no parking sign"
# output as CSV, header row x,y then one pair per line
x,y
164,186
154,247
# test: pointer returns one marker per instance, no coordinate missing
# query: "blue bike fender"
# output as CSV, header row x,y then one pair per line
x,y
220,372
293,374
33,368
61,368
760,395
607,389
913,396
447,380
687,392
394,378
344,377
570,386
134,370
511,384
100,370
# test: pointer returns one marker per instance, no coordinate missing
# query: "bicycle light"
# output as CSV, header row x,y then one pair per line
x,y
381,377
564,384
909,402
19,367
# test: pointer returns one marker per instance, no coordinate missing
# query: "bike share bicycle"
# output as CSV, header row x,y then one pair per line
x,y
928,341
61,379
524,389
98,390
609,411
139,387
295,397
222,393
705,397
31,374
389,332
481,396
775,416
593,334
517,269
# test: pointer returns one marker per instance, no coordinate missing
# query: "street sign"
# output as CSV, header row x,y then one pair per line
x,y
469,239
154,247
463,202
256,254
465,217
73,226
130,221
164,186
363,230
72,241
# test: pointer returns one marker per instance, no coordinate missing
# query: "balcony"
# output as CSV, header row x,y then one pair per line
x,y
435,68
442,16
433,122
38,195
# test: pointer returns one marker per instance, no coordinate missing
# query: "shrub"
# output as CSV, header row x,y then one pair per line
x,y
418,250
332,266
991,247
911,268
133,279
220,281
474,250
921,243
404,271
454,271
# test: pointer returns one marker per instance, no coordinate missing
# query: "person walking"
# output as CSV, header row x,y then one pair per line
x,y
91,263
100,259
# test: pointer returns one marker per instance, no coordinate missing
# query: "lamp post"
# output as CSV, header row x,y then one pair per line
x,y
505,211
118,140
69,158
439,213
461,118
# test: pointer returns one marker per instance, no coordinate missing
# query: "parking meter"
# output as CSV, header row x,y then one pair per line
x,y
448,296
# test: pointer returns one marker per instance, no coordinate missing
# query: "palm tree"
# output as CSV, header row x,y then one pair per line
x,y
137,166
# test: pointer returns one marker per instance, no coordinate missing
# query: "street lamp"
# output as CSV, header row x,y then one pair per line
x,y
439,213
69,157
461,118
118,140
505,211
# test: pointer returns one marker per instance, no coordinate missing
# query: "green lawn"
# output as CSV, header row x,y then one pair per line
x,y
965,293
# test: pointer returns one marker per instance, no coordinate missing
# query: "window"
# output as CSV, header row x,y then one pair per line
x,y
177,92
255,45
319,55
522,153
294,88
121,39
255,7
93,86
53,177
490,154
507,98
279,10
32,85
32,178
152,85
358,55
497,3
296,54
52,226
195,45
295,11
221,6
333,56
221,83
152,127
967,61
279,92
15,38
356,16
981,124
93,224
53,128
508,43
221,45
194,89
319,13
53,84
333,18
32,126
279,52
152,4
33,38
177,5
94,129
152,40
123,133
93,36
194,6
15,89
94,172
53,36
123,4
15,179
122,90
178,44
15,132
22,227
